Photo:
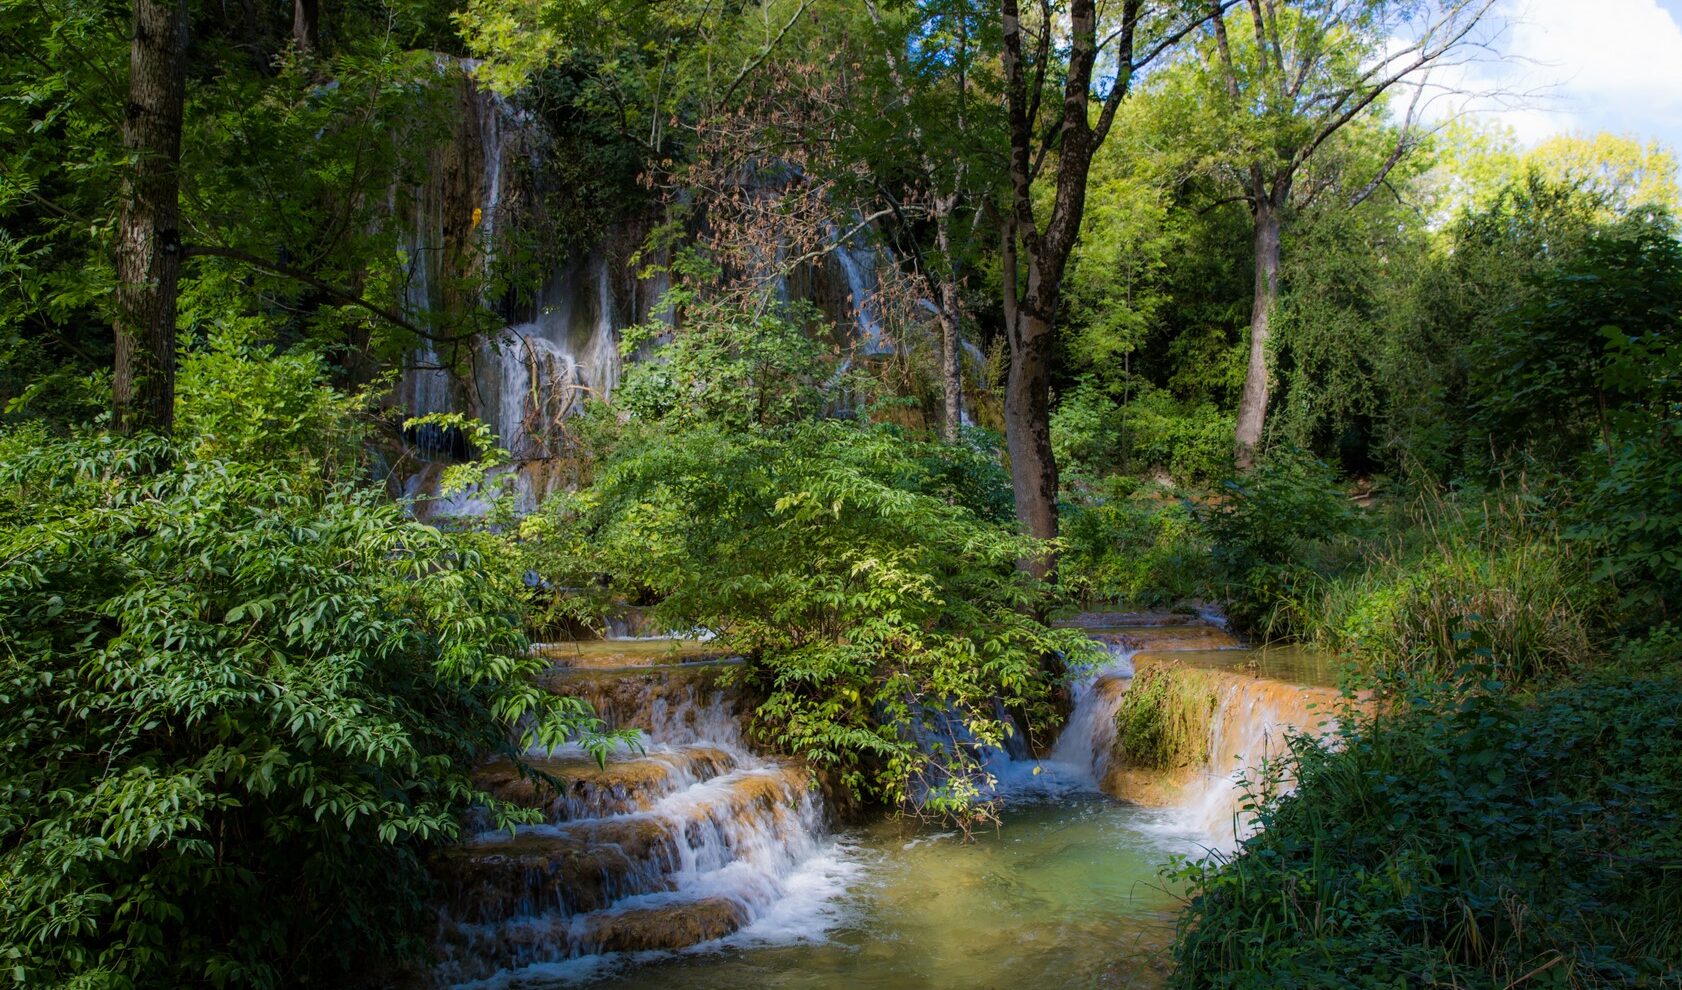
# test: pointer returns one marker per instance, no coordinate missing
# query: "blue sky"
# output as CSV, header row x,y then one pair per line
x,y
1582,66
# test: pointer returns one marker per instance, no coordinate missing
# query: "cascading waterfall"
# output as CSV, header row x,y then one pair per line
x,y
1252,719
692,839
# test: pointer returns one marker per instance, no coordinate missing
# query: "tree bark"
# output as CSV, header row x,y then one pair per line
x,y
1033,469
148,240
306,24
1252,405
951,322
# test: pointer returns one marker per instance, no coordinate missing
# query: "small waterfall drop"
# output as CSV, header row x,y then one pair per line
x,y
695,838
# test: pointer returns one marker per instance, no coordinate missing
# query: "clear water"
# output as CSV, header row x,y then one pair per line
x,y
1063,895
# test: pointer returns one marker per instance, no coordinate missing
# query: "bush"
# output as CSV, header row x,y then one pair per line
x,y
1275,532
236,709
1131,544
1461,837
1164,719
861,573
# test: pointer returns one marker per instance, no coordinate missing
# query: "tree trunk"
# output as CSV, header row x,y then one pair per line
x,y
1033,469
306,24
148,241
951,321
1252,406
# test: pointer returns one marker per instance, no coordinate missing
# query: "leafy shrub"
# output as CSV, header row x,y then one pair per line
x,y
1274,532
1130,544
877,602
1461,837
236,709
1496,565
1093,435
240,400
1164,719
1191,441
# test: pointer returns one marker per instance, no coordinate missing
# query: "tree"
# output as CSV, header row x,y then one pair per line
x,y
1074,132
148,239
1293,78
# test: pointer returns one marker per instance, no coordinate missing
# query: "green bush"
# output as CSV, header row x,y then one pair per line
x,y
1459,837
1275,532
1191,441
870,584
1164,719
1132,544
237,707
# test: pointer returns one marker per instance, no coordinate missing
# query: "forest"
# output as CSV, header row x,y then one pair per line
x,y
524,494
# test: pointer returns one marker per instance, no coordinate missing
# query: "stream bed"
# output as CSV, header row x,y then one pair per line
x,y
698,863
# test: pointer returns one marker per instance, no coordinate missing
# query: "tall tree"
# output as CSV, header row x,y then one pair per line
x,y
1064,138
148,238
1293,77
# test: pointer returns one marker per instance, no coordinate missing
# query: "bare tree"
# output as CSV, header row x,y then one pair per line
x,y
1301,72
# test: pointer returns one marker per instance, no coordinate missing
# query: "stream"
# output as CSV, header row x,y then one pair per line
x,y
701,864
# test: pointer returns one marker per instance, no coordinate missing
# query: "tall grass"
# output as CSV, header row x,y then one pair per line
x,y
1164,719
1496,569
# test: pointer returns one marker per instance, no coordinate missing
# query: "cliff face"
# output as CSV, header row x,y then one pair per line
x,y
523,360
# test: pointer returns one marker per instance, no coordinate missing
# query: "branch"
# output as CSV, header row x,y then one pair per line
x,y
343,296
764,53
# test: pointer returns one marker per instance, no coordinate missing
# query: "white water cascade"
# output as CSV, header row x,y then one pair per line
x,y
693,839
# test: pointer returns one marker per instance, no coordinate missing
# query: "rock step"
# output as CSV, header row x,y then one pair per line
x,y
1191,636
583,866
588,790
672,705
473,952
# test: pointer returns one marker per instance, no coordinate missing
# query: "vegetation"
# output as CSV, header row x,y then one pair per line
x,y
1463,837
1164,719
226,687
343,351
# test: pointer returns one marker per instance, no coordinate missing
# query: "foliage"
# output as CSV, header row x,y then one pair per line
x,y
1164,719
1540,382
1459,837
1274,532
1498,566
238,399
1125,542
239,707
725,366
1092,435
878,604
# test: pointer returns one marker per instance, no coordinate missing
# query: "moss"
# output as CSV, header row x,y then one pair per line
x,y
1163,721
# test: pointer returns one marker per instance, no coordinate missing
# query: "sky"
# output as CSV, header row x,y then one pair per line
x,y
1582,66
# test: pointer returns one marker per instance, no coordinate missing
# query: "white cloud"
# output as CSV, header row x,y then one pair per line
x,y
1579,65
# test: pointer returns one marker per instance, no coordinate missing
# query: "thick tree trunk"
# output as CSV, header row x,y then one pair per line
x,y
1252,406
148,240
951,322
1033,469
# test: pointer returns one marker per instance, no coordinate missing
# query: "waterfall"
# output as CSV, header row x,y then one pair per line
x,y
690,839
858,261
1249,725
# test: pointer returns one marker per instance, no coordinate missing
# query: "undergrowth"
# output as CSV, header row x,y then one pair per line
x,y
1164,719
1463,837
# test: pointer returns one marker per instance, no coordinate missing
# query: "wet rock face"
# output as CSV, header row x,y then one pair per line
x,y
675,926
683,841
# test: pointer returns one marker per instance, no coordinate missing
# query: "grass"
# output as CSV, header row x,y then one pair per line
x,y
1495,569
1163,722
